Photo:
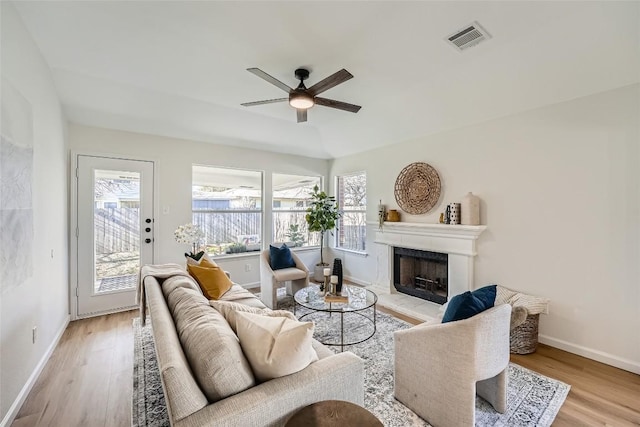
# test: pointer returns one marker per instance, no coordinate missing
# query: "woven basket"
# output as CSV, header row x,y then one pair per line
x,y
524,338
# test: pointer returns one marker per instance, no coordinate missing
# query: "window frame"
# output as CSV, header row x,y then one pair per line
x,y
302,209
342,211
260,210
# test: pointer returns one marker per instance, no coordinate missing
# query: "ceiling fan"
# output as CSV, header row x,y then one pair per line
x,y
302,98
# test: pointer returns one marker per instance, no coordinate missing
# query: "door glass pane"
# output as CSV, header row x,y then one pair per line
x,y
116,229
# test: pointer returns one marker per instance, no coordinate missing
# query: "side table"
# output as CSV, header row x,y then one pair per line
x,y
333,413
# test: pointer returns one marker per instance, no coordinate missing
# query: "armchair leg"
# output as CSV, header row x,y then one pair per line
x,y
494,390
298,284
268,290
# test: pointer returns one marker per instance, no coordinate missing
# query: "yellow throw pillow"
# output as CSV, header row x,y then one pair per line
x,y
212,280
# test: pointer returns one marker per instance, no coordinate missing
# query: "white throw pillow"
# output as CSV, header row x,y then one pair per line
x,y
275,346
229,309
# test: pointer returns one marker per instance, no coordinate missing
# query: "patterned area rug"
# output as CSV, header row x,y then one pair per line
x,y
533,399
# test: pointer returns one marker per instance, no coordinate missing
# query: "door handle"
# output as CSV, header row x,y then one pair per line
x,y
148,230
148,220
147,240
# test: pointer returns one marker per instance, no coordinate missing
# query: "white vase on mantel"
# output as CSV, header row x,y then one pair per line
x,y
470,210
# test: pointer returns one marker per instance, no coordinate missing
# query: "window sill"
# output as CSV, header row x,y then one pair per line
x,y
235,256
257,253
351,251
305,248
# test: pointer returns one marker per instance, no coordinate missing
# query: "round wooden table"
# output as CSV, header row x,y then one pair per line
x,y
333,413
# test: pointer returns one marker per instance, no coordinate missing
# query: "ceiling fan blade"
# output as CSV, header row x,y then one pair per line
x,y
331,81
302,115
337,104
266,101
258,72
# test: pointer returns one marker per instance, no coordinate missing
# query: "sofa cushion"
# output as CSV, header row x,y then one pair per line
x,y
213,281
280,257
240,295
275,346
469,304
174,282
229,310
213,350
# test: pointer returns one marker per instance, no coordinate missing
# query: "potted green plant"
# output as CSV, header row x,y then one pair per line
x,y
321,217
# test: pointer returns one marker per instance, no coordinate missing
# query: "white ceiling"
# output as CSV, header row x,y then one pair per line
x,y
177,68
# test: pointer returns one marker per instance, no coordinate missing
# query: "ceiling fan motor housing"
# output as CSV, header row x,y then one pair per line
x,y
302,74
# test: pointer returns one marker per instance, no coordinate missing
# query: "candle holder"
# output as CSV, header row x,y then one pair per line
x,y
334,285
324,286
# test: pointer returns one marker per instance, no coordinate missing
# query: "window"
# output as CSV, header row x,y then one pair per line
x,y
291,194
227,205
352,204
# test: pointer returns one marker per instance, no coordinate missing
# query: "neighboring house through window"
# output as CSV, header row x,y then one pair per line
x,y
291,195
351,196
227,205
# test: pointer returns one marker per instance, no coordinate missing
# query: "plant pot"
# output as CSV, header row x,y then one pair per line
x,y
318,272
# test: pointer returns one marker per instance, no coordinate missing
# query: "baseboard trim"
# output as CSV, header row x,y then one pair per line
x,y
599,356
251,285
357,281
22,396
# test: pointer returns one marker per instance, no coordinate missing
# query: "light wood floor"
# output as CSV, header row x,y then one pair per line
x,y
87,381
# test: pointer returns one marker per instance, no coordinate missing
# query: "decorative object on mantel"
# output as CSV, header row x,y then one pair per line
x,y
454,213
470,210
417,188
393,215
447,215
441,220
382,213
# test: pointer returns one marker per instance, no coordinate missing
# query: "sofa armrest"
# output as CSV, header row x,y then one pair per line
x,y
338,377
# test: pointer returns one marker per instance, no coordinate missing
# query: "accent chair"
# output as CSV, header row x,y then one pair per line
x,y
439,367
293,278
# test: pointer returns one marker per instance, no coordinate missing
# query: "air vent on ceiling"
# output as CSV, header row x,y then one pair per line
x,y
468,36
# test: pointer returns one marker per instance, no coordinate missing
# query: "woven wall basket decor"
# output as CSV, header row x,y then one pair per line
x,y
417,188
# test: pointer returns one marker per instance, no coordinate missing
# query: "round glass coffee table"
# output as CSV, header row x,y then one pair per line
x,y
358,304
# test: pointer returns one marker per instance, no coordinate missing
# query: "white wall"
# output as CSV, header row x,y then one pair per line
x,y
175,158
560,191
42,300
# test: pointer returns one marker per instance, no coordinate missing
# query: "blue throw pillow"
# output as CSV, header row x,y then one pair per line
x,y
469,304
281,257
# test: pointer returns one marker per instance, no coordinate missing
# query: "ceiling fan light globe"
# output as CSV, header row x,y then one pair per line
x,y
301,101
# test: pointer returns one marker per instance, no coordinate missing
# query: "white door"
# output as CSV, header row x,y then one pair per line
x,y
115,231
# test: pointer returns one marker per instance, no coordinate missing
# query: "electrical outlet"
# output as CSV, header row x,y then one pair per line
x,y
34,334
247,267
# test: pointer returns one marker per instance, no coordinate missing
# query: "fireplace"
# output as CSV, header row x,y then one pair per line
x,y
421,274
457,242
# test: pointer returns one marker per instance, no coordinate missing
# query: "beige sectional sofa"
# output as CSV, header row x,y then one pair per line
x,y
198,376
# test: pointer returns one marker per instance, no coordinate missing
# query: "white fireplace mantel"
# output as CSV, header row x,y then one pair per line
x,y
458,241
444,238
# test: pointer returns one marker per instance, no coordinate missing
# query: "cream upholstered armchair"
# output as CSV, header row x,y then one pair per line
x,y
294,278
439,367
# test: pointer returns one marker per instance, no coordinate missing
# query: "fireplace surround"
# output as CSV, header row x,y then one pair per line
x,y
458,242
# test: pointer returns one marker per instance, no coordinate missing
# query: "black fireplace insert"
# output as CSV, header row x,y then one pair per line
x,y
421,274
